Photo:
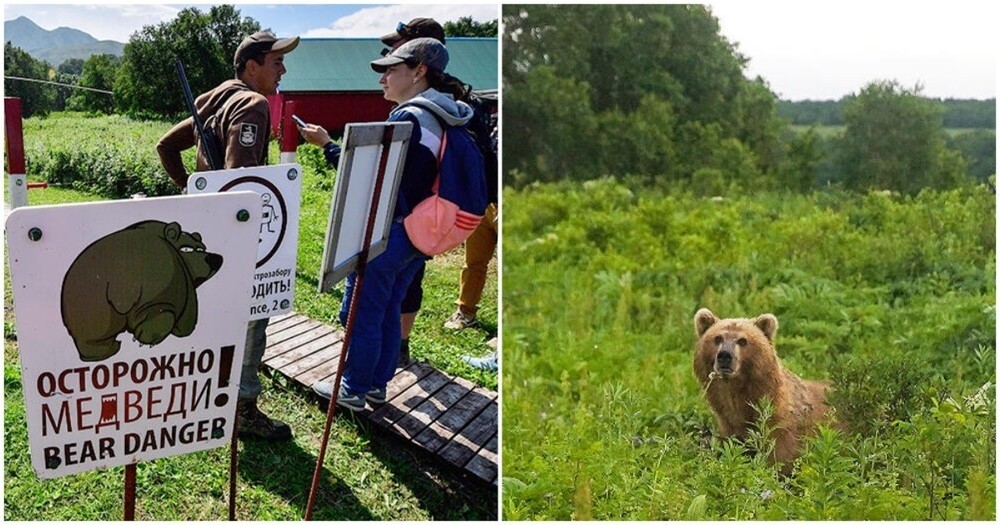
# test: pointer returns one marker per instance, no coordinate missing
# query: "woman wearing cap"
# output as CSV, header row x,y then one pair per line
x,y
413,77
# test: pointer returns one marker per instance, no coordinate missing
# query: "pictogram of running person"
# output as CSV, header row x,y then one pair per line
x,y
268,214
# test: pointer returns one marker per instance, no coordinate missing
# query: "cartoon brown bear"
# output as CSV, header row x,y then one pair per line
x,y
139,280
737,365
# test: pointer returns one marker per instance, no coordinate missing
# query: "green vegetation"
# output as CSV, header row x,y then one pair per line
x,y
890,297
367,477
660,98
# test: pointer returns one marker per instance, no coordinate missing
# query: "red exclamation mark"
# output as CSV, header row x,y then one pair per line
x,y
225,369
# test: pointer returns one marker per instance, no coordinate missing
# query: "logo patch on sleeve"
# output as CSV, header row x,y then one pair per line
x,y
248,134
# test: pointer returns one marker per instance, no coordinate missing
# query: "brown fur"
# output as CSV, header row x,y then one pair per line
x,y
756,372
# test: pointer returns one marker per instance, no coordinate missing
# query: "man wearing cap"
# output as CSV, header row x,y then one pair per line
x,y
237,110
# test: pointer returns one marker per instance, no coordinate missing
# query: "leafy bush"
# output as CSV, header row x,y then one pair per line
x,y
112,156
891,297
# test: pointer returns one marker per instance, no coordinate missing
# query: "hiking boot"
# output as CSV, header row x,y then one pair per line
x,y
353,403
488,363
404,354
376,396
460,321
254,424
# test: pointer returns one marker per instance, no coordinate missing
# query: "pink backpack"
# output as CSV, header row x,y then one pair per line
x,y
449,216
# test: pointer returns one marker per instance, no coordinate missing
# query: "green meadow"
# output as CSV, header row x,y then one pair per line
x,y
367,476
892,298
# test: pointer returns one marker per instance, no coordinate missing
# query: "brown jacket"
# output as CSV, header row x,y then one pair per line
x,y
241,120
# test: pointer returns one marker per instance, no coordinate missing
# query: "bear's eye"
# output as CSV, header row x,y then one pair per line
x,y
741,341
718,339
186,249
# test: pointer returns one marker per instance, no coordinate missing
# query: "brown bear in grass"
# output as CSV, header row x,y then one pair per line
x,y
737,365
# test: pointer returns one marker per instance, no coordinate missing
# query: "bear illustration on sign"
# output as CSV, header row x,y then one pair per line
x,y
140,280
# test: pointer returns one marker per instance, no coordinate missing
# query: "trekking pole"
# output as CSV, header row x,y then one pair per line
x,y
351,314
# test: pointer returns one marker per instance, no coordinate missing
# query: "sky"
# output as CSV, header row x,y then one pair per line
x,y
826,50
118,21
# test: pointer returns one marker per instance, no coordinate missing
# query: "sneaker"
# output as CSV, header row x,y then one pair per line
x,y
488,363
460,321
254,424
353,403
376,396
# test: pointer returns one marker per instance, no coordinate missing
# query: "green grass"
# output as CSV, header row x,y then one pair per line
x,y
367,476
891,298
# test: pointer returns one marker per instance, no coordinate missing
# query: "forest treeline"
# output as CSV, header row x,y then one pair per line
x,y
656,96
958,113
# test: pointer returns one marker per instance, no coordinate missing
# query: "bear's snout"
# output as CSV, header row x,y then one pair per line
x,y
724,360
214,262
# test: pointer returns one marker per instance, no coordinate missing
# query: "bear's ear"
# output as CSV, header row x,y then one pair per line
x,y
196,236
703,320
172,231
768,324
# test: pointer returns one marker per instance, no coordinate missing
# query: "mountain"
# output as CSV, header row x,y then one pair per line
x,y
57,45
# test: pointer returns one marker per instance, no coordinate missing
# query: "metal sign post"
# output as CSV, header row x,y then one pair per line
x,y
17,184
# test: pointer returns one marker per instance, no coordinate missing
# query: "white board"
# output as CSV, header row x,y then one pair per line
x,y
280,190
131,321
360,161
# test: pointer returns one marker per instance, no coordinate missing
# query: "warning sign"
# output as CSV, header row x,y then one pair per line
x,y
129,329
280,190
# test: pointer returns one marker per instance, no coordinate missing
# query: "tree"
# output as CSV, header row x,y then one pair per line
x,y
98,72
641,78
71,66
36,98
466,26
894,140
205,42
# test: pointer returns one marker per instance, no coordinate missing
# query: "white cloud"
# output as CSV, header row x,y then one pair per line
x,y
373,21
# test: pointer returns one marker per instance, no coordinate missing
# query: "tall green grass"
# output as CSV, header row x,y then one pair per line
x,y
891,298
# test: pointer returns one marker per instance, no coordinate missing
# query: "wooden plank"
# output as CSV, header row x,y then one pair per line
x,y
274,327
430,409
278,348
454,420
484,464
284,360
324,364
293,331
402,405
467,443
448,416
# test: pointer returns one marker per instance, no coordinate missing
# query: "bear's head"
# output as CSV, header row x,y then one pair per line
x,y
200,265
733,348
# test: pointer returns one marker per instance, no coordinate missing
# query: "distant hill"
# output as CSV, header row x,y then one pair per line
x,y
57,45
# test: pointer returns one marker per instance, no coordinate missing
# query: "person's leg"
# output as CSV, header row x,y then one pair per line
x,y
374,304
386,367
252,422
479,248
410,307
253,353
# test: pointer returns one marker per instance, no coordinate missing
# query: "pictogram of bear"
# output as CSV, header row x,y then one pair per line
x,y
140,280
737,365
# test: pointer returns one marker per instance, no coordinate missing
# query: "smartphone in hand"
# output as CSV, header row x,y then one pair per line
x,y
301,123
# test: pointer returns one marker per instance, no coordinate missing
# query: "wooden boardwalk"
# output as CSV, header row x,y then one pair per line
x,y
450,417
